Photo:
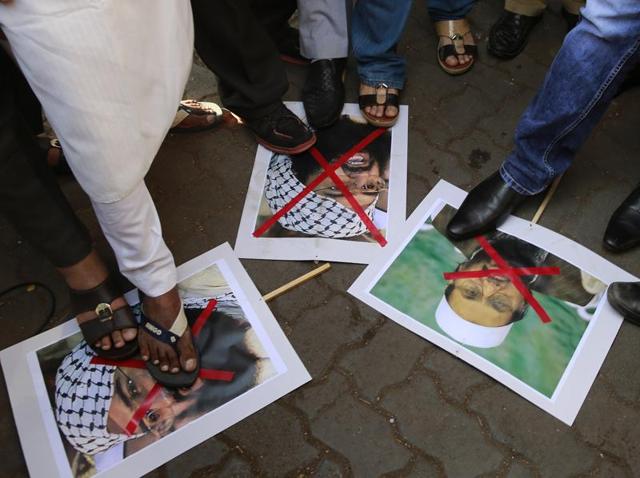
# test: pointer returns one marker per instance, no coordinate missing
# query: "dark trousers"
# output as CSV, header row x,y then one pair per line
x,y
235,44
30,197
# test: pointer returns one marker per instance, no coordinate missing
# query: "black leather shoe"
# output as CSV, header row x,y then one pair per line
x,y
623,231
509,34
485,208
282,131
323,92
625,298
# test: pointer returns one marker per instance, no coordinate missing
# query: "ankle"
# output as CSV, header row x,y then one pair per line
x,y
165,306
85,274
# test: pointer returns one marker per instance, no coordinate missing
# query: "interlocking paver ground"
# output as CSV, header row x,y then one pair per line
x,y
382,402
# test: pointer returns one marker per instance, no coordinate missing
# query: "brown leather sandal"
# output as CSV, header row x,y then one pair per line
x,y
455,30
382,97
196,108
107,320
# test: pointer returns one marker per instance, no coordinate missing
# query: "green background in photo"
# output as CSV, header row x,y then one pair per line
x,y
535,353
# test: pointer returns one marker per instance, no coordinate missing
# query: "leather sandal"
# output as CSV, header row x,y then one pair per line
x,y
382,97
107,320
170,337
455,30
196,108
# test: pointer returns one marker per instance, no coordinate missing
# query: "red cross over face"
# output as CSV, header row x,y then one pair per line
x,y
490,294
334,176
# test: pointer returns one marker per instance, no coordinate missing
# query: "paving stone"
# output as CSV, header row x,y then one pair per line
x,y
362,436
439,429
318,333
235,467
328,469
387,359
424,469
616,431
317,396
620,373
199,458
274,438
518,470
455,377
547,442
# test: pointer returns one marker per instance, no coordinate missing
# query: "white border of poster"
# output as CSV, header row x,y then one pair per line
x,y
314,248
594,345
42,443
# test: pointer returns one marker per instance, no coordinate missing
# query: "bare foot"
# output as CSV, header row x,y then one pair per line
x,y
164,310
379,111
457,60
87,274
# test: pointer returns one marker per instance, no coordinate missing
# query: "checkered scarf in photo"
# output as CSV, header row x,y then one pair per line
x,y
83,396
314,214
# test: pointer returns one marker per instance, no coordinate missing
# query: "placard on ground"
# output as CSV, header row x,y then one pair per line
x,y
343,200
525,305
78,415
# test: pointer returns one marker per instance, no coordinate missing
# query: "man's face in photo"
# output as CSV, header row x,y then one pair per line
x,y
131,387
362,176
488,301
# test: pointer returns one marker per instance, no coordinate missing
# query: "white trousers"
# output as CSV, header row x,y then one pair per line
x,y
109,75
132,227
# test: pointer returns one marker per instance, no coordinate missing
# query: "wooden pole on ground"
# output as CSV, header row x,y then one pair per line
x,y
545,201
296,282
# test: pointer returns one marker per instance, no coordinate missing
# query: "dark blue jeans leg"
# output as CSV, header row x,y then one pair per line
x,y
376,28
579,86
448,9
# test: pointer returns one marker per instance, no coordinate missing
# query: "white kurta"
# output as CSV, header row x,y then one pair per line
x,y
109,75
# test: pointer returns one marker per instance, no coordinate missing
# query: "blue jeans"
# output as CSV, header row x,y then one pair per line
x,y
448,9
376,27
583,79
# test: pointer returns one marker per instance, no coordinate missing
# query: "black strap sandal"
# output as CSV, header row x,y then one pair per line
x,y
452,29
170,337
199,108
382,97
107,320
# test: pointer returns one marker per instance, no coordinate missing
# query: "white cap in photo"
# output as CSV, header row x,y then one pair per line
x,y
466,332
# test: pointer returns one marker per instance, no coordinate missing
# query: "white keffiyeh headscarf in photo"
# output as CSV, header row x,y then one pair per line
x,y
83,396
314,214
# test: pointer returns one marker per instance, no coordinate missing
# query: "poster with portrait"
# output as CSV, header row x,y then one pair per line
x,y
523,304
342,200
79,415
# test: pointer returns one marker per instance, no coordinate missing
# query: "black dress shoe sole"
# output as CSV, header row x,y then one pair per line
x,y
301,148
618,249
511,55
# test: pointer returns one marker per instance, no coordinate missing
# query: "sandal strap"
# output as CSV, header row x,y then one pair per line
x,y
95,329
168,336
452,28
96,300
452,50
391,99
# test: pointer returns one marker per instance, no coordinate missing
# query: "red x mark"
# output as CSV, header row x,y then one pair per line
x,y
512,273
205,374
329,171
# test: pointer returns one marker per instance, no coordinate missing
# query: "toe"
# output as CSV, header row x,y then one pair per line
x,y
174,363
144,349
116,337
105,343
451,61
188,356
164,361
129,334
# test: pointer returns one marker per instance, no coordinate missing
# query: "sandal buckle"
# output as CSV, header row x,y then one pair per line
x,y
104,311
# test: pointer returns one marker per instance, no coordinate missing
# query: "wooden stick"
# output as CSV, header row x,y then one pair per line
x,y
545,201
296,282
